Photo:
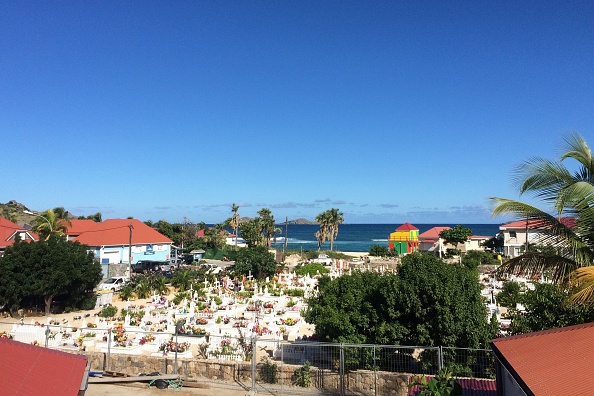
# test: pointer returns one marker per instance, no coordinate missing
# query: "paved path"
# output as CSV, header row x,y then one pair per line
x,y
138,388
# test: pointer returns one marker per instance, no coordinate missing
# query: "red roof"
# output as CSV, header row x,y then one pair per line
x,y
407,227
535,224
117,232
32,370
432,234
7,231
470,387
77,227
545,361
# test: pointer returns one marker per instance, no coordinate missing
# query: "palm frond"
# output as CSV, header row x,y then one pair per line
x,y
558,268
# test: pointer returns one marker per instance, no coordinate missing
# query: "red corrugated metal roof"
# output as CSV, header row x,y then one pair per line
x,y
117,232
551,362
8,229
407,227
32,370
470,387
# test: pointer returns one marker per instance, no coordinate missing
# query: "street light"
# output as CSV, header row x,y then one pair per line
x,y
38,215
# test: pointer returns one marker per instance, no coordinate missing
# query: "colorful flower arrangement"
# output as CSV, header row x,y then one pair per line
x,y
4,334
287,322
147,338
202,321
241,323
171,346
120,337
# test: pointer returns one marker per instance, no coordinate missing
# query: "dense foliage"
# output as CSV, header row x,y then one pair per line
x,y
311,269
456,235
473,258
256,260
426,303
546,308
36,273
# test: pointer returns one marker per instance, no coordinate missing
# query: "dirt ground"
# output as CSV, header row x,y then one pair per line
x,y
137,388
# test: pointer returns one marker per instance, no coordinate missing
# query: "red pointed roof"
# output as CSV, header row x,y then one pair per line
x,y
117,232
407,227
534,224
34,370
432,234
543,361
7,231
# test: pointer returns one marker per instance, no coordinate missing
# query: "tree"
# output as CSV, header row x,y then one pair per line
x,y
260,230
256,260
456,235
426,303
267,225
546,308
39,271
51,222
329,221
567,191
233,221
311,269
473,258
379,251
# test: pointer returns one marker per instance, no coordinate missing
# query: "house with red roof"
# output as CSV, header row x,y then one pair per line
x,y
33,370
516,233
77,227
404,240
10,231
111,240
429,241
549,362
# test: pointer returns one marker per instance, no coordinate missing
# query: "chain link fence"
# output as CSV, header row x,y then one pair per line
x,y
255,363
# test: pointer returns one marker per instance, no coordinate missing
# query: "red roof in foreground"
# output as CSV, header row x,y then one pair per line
x,y
32,370
117,232
407,227
551,362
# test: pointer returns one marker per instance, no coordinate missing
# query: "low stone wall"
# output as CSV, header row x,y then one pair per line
x,y
361,382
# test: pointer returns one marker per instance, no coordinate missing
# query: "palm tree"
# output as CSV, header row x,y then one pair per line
x,y
335,217
233,221
569,194
51,222
267,224
321,235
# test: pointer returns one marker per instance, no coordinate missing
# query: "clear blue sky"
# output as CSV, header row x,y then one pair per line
x,y
390,111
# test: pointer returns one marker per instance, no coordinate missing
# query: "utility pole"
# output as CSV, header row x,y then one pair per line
x,y
130,252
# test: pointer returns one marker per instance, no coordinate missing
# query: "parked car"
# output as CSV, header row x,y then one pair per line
x,y
143,266
115,283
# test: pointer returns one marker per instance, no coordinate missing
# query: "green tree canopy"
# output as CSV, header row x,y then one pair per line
x,y
456,235
257,260
426,303
39,271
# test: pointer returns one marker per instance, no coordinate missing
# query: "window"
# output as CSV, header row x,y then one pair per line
x,y
512,234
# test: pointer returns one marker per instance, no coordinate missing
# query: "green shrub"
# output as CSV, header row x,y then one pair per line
x,y
108,312
268,371
302,376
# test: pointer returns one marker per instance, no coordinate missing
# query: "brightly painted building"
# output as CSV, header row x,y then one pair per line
x,y
404,240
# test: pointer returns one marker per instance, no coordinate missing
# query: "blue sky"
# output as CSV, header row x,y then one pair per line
x,y
390,111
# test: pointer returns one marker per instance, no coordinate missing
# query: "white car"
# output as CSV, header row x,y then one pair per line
x,y
115,283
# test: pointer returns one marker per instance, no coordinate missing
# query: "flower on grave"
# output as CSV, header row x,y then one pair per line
x,y
202,321
120,337
35,343
260,330
269,305
87,315
78,317
198,330
89,335
226,320
4,334
241,323
52,335
91,325
171,346
288,322
147,338
51,322
280,312
148,323
252,308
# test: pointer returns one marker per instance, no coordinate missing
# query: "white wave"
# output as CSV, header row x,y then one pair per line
x,y
379,240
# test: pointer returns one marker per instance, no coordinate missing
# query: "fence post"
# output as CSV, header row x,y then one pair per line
x,y
374,373
108,350
341,370
47,332
254,344
440,358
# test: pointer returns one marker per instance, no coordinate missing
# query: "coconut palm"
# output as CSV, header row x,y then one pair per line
x,y
51,222
569,192
335,217
324,220
233,222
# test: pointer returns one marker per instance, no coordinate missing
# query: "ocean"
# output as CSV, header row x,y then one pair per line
x,y
358,237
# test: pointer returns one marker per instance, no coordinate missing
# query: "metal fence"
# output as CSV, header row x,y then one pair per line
x,y
255,363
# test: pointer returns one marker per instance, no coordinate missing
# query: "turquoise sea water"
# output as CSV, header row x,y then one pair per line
x,y
359,237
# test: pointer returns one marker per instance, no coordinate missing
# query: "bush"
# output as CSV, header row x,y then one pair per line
x,y
302,376
108,312
268,371
379,251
